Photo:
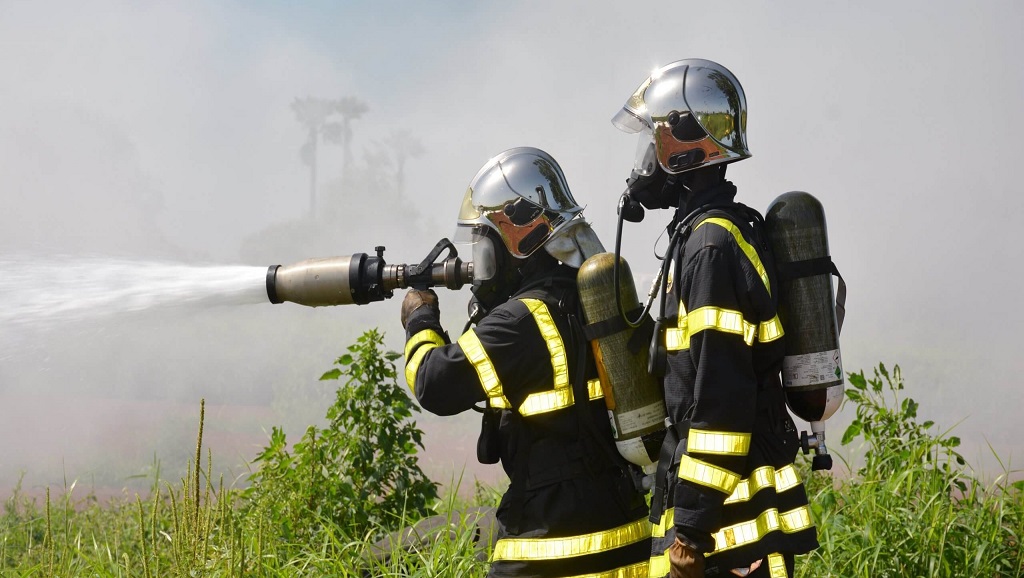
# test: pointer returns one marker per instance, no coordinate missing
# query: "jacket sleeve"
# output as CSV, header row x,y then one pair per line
x,y
436,370
724,391
504,355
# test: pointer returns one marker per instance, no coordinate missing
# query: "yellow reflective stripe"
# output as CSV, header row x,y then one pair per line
x,y
638,570
668,520
499,402
659,566
548,330
708,475
768,521
476,355
556,548
551,400
413,365
676,339
746,247
425,336
719,319
770,330
428,339
781,479
545,401
777,566
720,443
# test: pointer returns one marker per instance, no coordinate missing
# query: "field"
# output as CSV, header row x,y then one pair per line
x,y
319,505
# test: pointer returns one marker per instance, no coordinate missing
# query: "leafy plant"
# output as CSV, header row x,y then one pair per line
x,y
359,473
914,508
894,438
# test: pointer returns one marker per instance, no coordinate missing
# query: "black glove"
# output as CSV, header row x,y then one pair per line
x,y
415,299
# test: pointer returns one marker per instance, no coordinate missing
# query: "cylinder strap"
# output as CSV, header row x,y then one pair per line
x,y
817,266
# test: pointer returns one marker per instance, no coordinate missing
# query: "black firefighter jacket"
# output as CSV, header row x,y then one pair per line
x,y
570,508
731,488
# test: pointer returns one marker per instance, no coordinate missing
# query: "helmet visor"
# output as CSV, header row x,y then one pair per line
x,y
473,239
646,156
634,117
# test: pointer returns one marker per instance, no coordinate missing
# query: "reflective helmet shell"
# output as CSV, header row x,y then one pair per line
x,y
521,194
690,113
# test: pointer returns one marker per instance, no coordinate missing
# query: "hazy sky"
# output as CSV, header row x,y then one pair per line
x,y
144,131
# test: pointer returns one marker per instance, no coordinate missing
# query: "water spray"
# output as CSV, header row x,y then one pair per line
x,y
361,278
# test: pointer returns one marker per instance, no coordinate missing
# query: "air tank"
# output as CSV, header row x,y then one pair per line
x,y
636,405
812,371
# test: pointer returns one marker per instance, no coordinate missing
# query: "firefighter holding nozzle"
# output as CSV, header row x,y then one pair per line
x,y
573,507
727,499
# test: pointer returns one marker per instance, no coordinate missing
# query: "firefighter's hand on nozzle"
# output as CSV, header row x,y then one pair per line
x,y
685,561
415,299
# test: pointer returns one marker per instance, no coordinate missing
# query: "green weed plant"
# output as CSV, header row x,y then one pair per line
x,y
914,508
358,473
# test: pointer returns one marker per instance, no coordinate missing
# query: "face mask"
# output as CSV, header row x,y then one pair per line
x,y
655,191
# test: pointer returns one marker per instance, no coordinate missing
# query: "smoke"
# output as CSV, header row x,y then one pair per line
x,y
162,135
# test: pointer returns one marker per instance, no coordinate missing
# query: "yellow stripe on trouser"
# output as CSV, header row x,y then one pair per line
x,y
660,565
415,350
526,549
638,570
740,535
783,479
777,566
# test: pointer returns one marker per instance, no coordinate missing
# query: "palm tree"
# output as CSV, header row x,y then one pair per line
x,y
313,114
350,108
403,147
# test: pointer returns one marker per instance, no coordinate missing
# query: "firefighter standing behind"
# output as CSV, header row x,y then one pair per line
x,y
571,508
727,497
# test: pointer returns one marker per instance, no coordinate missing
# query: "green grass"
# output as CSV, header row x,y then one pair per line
x,y
914,508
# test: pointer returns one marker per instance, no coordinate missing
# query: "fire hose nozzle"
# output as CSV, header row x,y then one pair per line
x,y
362,278
314,282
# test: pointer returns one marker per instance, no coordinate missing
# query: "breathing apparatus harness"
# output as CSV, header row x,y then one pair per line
x,y
661,191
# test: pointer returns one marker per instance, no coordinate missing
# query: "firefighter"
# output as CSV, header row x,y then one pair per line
x,y
572,507
727,497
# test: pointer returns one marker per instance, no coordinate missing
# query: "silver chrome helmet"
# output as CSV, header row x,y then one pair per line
x,y
521,195
690,113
